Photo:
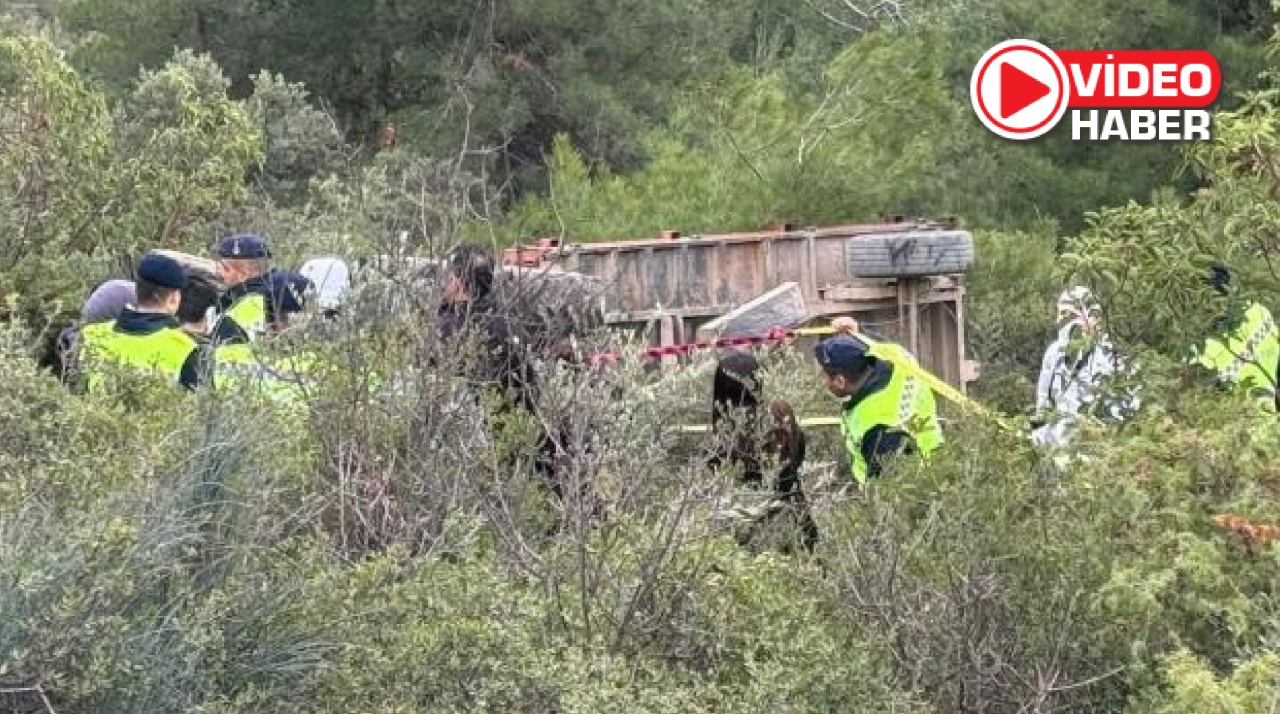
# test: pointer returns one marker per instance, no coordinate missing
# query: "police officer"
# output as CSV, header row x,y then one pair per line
x,y
1245,352
195,311
244,262
280,376
886,410
287,296
146,337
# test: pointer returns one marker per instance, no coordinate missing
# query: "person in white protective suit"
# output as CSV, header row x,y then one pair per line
x,y
332,279
1075,370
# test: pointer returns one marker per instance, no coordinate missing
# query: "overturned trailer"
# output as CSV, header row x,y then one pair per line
x,y
901,279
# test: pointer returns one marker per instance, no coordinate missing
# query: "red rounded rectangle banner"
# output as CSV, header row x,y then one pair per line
x,y
1141,78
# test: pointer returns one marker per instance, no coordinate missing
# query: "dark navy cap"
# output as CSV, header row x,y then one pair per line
x,y
246,246
1219,277
288,290
162,270
843,353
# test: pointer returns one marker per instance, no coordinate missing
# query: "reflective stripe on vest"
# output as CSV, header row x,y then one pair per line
x,y
904,404
161,352
250,313
237,364
1249,357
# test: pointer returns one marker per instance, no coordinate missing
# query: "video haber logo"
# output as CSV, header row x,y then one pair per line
x,y
1021,89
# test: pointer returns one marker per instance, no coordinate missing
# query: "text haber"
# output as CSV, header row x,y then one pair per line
x,y
1164,91
1021,89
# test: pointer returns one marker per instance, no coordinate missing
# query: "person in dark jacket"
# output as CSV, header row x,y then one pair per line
x,y
195,310
570,439
469,309
107,301
751,435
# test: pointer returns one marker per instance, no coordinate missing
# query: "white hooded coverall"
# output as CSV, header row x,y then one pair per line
x,y
1067,388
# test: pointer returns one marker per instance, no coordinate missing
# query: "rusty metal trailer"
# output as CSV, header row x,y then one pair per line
x,y
902,279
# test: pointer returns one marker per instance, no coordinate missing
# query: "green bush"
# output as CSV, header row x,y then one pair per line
x,y
1010,321
386,544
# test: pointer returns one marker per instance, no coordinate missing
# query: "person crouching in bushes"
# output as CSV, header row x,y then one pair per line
x,y
887,411
105,304
749,438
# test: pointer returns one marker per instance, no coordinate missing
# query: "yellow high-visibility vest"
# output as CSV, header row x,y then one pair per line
x,y
905,404
162,352
1248,357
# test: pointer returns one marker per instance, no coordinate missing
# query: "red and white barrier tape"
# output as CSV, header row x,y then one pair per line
x,y
775,335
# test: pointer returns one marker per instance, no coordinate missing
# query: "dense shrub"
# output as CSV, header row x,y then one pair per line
x,y
1011,313
386,543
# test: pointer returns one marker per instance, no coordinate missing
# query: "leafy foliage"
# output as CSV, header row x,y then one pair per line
x,y
495,83
387,545
751,152
301,141
1015,285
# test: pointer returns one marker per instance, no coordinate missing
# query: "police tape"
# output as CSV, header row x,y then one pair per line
x,y
777,334
901,358
887,351
805,422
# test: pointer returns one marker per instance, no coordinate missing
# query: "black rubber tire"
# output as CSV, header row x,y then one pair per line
x,y
910,254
